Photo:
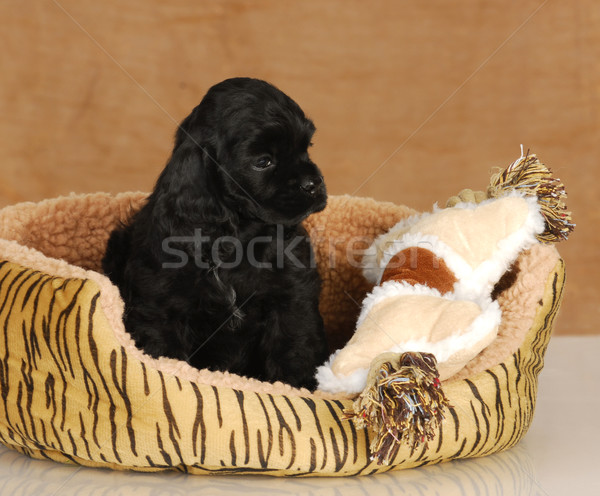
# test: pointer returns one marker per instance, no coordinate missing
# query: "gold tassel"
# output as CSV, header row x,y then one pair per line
x,y
403,402
531,177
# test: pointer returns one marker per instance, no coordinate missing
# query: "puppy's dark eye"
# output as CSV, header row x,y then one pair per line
x,y
263,163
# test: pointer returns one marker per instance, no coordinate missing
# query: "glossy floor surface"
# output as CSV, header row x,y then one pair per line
x,y
558,456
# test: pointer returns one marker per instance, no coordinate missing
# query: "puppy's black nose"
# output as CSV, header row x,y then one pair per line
x,y
311,184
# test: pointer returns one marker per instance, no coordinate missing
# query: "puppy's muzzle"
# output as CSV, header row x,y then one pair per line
x,y
312,185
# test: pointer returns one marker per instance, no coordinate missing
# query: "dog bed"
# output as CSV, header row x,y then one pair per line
x,y
75,389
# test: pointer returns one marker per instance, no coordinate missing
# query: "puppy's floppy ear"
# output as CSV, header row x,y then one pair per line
x,y
187,193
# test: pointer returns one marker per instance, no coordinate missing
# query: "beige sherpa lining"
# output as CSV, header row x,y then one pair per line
x,y
66,237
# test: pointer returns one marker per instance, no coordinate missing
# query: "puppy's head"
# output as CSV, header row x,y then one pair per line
x,y
246,145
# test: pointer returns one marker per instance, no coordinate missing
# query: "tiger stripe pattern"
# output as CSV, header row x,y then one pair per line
x,y
71,393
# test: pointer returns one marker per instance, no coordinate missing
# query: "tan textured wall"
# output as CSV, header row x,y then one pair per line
x,y
412,100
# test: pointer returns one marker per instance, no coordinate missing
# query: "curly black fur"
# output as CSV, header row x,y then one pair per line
x,y
215,268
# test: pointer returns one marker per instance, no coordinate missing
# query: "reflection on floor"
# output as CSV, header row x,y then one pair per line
x,y
507,473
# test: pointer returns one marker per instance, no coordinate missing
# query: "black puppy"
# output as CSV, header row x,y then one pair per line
x,y
215,268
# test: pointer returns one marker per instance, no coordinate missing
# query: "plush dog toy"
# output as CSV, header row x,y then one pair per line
x,y
433,308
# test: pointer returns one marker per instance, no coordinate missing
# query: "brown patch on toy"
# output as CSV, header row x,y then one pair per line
x,y
506,281
417,265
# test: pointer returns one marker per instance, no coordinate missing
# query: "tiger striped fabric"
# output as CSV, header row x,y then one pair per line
x,y
71,392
